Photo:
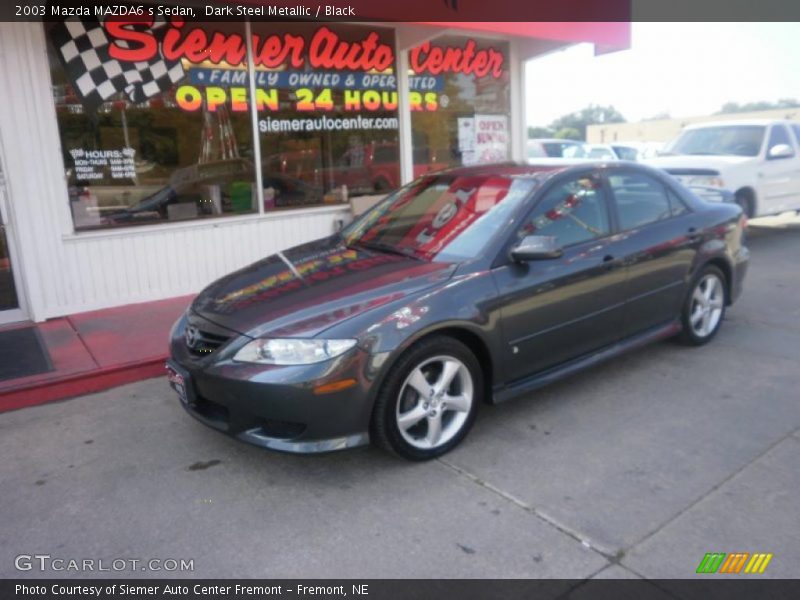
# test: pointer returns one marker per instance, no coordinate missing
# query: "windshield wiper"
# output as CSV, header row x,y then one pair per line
x,y
387,249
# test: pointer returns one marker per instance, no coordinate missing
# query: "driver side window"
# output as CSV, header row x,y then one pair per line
x,y
575,211
779,136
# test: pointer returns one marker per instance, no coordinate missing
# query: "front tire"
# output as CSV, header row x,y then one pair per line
x,y
429,400
704,308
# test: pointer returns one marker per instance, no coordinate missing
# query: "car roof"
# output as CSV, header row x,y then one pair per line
x,y
535,168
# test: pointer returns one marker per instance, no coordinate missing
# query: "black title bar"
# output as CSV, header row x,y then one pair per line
x,y
705,588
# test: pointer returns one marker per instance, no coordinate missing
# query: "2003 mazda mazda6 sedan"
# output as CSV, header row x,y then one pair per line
x,y
467,286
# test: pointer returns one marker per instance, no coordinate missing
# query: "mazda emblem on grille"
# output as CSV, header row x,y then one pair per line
x,y
191,335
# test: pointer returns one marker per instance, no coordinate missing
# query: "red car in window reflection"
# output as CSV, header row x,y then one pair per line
x,y
365,168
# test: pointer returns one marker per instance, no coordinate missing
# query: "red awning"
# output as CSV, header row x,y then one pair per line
x,y
607,37
537,19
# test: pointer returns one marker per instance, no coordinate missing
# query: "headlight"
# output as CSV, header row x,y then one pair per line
x,y
709,180
292,351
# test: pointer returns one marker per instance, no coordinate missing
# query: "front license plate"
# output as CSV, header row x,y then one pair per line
x,y
178,383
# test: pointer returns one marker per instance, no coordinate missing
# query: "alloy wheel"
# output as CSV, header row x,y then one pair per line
x,y
708,300
434,402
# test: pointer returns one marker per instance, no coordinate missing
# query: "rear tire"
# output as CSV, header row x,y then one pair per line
x,y
429,400
704,308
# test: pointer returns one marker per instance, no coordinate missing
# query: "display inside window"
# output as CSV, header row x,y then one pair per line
x,y
132,152
155,117
460,102
330,129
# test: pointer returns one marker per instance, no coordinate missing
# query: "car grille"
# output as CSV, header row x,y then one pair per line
x,y
202,342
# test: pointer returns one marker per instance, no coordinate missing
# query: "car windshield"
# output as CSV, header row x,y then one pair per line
x,y
731,140
443,218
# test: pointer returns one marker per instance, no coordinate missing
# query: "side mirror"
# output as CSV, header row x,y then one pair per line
x,y
780,151
536,247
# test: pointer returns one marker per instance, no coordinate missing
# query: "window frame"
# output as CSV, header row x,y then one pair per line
x,y
669,192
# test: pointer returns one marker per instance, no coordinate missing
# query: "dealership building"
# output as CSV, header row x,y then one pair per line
x,y
140,161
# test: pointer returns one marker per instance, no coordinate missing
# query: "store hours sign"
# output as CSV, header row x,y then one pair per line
x,y
92,165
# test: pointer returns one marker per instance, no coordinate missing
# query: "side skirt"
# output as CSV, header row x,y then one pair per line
x,y
538,380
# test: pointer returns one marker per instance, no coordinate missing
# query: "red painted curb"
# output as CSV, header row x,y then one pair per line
x,y
81,383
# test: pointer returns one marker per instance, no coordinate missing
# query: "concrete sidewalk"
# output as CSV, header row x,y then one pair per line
x,y
96,350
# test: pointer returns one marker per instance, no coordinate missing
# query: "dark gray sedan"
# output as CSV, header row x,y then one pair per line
x,y
467,286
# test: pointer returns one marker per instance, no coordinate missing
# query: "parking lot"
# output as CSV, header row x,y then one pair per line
x,y
636,468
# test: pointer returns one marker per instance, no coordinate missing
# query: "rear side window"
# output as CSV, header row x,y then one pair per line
x,y
640,200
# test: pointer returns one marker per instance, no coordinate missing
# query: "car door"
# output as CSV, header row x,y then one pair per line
x,y
658,240
778,176
556,309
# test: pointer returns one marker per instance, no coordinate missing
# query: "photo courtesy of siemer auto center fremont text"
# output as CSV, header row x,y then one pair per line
x,y
419,300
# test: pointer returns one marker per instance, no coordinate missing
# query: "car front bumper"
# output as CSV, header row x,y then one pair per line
x,y
276,407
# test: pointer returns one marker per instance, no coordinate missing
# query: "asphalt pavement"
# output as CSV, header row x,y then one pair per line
x,y
636,468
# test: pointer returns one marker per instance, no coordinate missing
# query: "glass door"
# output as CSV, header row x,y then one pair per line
x,y
10,305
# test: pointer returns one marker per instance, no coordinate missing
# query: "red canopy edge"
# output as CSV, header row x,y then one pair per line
x,y
606,36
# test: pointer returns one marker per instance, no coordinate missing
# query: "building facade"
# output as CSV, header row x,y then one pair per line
x,y
142,161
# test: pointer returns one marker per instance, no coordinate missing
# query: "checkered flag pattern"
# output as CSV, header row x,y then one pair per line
x,y
82,45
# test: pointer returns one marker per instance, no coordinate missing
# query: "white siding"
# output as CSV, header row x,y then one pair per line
x,y
64,272
169,260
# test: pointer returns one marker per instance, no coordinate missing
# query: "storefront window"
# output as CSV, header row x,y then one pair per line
x,y
460,102
332,130
155,120
136,149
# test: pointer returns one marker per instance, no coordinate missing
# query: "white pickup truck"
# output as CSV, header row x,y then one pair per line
x,y
757,160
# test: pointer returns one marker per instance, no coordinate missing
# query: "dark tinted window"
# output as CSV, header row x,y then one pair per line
x,y
575,211
778,135
640,199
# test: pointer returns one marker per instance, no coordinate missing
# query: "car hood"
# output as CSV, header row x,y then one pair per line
x,y
692,162
326,284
